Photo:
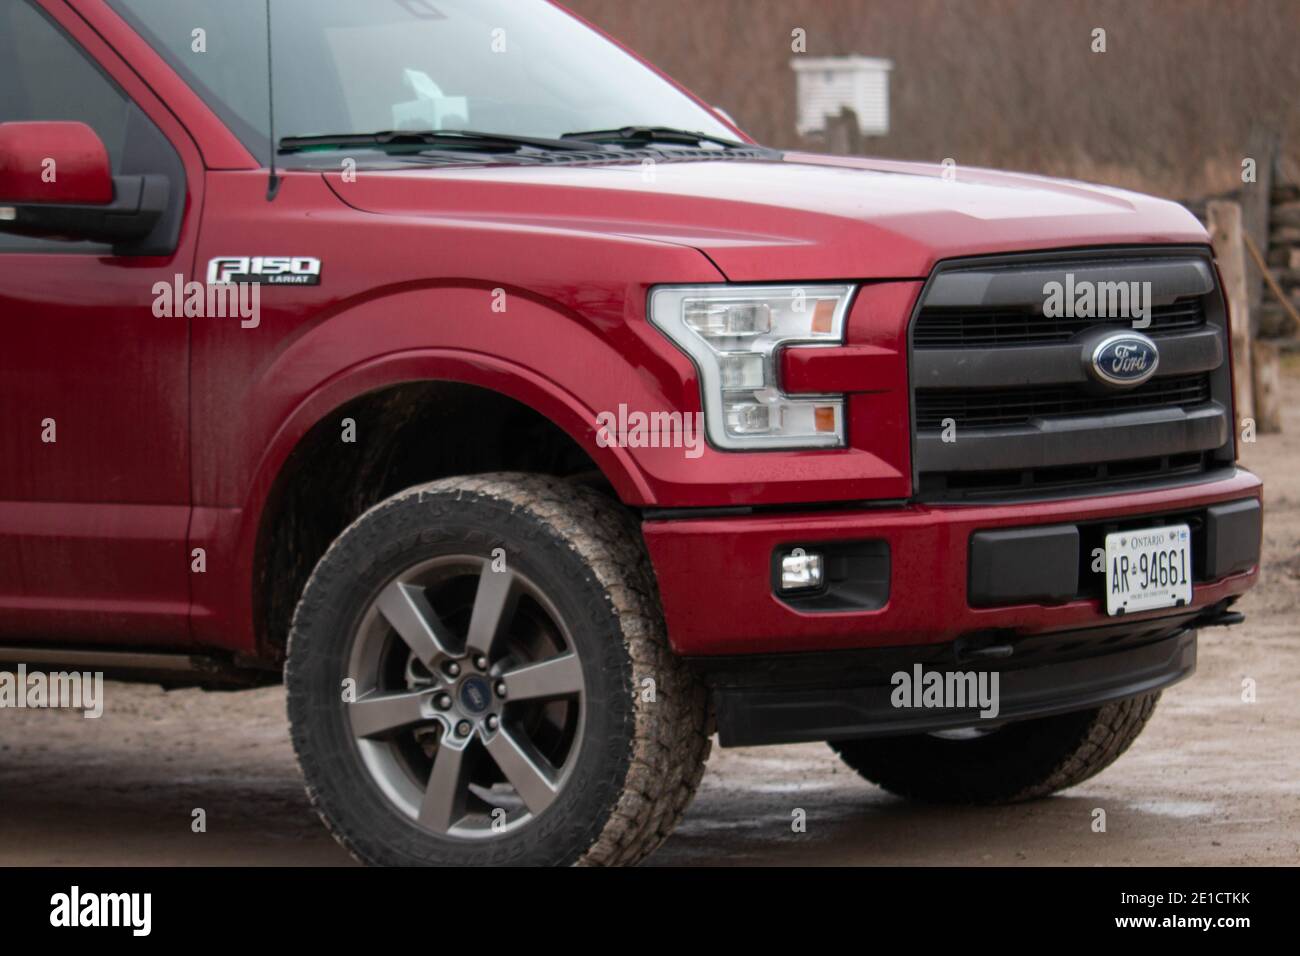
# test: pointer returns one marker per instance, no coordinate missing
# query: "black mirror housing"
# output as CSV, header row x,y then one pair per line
x,y
139,202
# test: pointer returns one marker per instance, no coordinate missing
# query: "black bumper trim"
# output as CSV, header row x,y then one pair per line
x,y
1014,565
1050,564
1233,536
1052,678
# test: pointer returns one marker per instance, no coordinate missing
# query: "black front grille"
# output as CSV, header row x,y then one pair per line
x,y
963,328
979,327
1008,407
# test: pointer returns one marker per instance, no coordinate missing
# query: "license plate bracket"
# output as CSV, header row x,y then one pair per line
x,y
1148,568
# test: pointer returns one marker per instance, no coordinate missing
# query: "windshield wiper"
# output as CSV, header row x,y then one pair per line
x,y
441,138
652,134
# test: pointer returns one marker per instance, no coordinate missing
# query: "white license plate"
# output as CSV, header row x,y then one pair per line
x,y
1148,568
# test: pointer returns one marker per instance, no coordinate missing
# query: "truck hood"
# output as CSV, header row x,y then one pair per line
x,y
795,217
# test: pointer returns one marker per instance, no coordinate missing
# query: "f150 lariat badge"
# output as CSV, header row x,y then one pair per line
x,y
264,270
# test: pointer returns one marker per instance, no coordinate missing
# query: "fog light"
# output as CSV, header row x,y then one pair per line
x,y
800,570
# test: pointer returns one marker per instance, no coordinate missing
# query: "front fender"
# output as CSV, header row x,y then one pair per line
x,y
524,353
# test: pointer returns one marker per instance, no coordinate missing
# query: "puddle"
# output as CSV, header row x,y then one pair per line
x,y
1179,809
790,788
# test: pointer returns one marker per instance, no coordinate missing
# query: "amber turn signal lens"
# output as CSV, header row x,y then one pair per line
x,y
824,316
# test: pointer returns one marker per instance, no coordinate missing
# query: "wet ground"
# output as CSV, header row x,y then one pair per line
x,y
1212,780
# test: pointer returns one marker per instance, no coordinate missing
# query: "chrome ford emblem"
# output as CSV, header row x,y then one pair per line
x,y
1124,360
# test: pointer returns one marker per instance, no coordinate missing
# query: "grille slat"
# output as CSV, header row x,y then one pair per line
x,y
957,328
1004,408
996,484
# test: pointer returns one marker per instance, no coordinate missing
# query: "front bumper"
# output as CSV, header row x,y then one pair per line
x,y
715,577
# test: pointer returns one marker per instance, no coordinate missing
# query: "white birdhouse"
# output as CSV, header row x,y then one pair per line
x,y
827,84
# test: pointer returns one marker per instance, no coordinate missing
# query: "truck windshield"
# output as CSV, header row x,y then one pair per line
x,y
517,67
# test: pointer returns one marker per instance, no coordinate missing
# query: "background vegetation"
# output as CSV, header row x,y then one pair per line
x,y
1009,83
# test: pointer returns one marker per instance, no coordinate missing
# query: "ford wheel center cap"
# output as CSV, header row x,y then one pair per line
x,y
1123,360
475,695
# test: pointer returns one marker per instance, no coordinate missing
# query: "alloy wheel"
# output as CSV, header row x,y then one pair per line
x,y
466,697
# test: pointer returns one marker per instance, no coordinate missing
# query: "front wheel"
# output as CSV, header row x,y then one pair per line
x,y
478,673
1019,761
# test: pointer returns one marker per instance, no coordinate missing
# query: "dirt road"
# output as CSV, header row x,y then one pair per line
x,y
1213,780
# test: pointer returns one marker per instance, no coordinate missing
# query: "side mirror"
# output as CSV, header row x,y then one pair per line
x,y
56,183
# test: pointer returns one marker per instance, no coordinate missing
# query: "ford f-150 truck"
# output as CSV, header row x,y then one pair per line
x,y
533,424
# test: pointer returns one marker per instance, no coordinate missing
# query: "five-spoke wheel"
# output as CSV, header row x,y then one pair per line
x,y
468,695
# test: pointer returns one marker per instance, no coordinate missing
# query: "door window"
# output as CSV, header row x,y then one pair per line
x,y
44,76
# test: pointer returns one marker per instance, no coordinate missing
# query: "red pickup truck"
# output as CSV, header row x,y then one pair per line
x,y
532,423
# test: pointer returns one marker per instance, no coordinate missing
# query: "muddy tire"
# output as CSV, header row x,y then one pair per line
x,y
478,673
1020,761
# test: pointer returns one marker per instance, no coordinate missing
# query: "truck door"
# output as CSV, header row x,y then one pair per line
x,y
94,398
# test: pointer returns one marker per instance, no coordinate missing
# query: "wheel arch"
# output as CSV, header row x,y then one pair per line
x,y
391,398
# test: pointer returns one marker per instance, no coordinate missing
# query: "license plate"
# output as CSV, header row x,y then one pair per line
x,y
1148,568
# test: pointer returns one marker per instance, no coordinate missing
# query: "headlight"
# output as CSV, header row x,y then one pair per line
x,y
734,334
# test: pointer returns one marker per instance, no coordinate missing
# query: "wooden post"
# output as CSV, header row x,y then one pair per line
x,y
1267,357
843,135
1224,222
1267,364
1261,146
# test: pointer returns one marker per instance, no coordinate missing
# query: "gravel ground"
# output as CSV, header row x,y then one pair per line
x,y
1212,780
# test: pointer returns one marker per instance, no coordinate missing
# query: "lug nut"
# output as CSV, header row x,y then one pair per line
x,y
463,729
501,688
452,669
443,701
481,662
492,722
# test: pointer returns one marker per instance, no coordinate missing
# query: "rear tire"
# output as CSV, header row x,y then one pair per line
x,y
1020,761
497,715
